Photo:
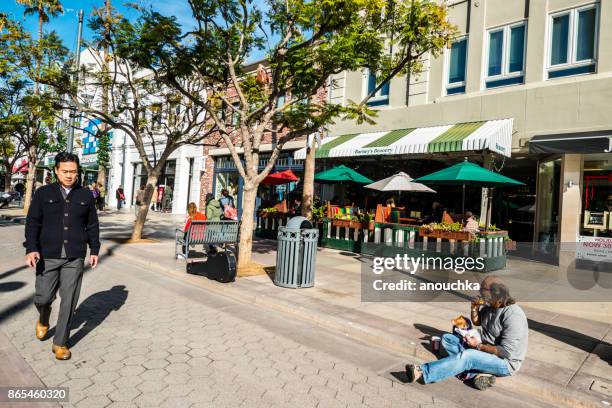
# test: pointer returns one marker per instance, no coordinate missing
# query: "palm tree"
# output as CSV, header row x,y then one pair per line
x,y
44,9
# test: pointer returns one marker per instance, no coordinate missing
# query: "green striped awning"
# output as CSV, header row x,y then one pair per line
x,y
495,135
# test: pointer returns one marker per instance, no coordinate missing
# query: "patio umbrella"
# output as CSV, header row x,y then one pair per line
x,y
341,174
468,174
399,182
278,178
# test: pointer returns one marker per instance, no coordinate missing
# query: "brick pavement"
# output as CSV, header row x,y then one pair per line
x,y
139,343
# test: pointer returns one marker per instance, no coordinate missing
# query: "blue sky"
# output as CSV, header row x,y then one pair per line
x,y
66,25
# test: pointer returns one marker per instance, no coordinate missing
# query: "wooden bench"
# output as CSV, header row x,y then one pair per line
x,y
206,233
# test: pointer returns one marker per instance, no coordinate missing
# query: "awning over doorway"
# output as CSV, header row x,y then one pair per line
x,y
495,135
582,142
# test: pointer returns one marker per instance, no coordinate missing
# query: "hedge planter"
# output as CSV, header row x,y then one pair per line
x,y
449,235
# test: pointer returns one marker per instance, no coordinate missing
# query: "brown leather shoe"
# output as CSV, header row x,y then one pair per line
x,y
61,352
41,331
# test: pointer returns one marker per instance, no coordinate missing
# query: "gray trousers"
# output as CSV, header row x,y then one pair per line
x,y
64,275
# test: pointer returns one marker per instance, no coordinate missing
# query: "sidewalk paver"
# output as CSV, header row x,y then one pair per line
x,y
139,309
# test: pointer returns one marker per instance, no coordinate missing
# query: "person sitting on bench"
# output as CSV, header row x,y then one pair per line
x,y
213,213
192,215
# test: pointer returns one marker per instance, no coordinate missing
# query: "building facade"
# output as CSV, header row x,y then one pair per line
x,y
543,68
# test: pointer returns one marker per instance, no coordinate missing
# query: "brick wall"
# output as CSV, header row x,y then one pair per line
x,y
206,177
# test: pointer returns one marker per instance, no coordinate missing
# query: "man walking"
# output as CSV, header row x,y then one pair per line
x,y
61,221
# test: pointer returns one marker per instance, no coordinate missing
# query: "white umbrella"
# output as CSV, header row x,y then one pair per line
x,y
399,182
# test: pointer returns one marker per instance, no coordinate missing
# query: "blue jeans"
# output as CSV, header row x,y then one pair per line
x,y
462,360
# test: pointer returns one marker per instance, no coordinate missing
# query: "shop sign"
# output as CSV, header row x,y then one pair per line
x,y
597,249
584,142
89,158
371,151
500,149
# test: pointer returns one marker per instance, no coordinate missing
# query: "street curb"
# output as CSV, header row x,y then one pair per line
x,y
524,384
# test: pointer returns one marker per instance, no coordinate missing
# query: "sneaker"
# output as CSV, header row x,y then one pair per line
x,y
413,373
484,381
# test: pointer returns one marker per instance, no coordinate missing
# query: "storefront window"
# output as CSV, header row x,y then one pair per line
x,y
165,185
229,182
139,179
596,220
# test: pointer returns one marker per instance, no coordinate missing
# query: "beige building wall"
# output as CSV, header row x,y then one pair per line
x,y
539,106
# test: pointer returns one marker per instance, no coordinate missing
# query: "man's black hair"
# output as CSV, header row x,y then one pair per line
x,y
64,157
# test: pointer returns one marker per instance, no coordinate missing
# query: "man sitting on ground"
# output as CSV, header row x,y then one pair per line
x,y
503,346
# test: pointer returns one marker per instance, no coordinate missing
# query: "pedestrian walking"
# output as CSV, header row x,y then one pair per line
x,y
154,199
61,222
95,192
101,197
120,196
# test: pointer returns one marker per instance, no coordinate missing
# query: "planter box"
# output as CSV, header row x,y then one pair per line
x,y
353,224
454,235
503,233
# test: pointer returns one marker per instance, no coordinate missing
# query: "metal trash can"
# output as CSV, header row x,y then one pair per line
x,y
296,254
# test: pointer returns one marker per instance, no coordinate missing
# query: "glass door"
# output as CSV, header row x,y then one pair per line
x,y
547,217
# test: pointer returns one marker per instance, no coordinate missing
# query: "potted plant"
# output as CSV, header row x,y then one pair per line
x,y
445,230
268,212
318,213
493,230
342,220
367,221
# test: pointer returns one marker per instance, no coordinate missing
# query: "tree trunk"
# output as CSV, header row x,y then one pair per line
x,y
7,181
245,245
29,191
308,186
143,209
105,91
101,181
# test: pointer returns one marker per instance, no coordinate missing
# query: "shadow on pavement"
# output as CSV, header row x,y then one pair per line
x,y
400,376
574,338
29,301
11,286
12,271
428,333
95,309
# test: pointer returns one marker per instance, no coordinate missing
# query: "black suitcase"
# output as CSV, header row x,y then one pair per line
x,y
220,267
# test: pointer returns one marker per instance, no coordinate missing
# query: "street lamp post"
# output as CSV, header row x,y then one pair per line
x,y
70,143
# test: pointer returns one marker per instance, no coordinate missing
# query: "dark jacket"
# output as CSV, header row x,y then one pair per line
x,y
53,222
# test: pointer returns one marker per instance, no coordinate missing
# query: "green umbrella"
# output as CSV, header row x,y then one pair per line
x,y
468,174
341,174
